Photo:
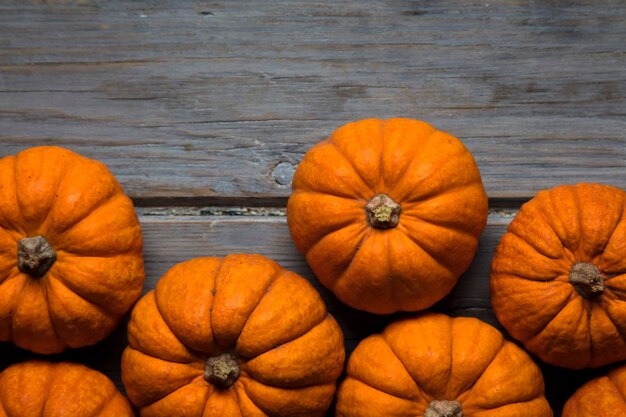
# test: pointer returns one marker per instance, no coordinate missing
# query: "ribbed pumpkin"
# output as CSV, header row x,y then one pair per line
x,y
388,213
432,365
64,389
70,250
232,337
604,396
558,277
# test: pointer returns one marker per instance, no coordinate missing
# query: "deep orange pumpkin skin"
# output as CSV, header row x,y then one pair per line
x,y
64,389
423,362
82,213
534,293
271,322
603,396
412,260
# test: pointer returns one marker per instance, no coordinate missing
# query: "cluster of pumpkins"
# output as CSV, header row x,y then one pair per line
x,y
388,215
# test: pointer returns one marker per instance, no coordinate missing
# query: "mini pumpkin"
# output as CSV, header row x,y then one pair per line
x,y
231,337
558,278
433,365
71,260
603,396
63,389
388,213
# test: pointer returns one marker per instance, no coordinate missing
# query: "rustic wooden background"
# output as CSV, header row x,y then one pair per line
x,y
203,110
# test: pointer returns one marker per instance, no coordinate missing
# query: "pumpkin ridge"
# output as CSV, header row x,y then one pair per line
x,y
610,377
419,245
367,186
297,336
75,222
53,325
347,266
216,278
419,388
414,157
169,327
596,260
60,278
572,297
620,331
455,188
467,392
534,248
100,308
266,290
454,227
245,390
16,300
104,403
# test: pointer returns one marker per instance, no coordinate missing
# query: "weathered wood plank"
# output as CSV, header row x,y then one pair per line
x,y
173,239
206,99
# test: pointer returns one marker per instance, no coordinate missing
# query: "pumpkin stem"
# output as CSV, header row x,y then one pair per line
x,y
35,256
222,370
382,212
443,408
586,279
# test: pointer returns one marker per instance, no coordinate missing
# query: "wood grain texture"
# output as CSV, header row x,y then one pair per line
x,y
172,239
219,100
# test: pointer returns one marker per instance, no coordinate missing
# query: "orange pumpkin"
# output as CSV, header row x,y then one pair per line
x,y
604,396
436,366
558,277
70,250
232,337
64,389
388,213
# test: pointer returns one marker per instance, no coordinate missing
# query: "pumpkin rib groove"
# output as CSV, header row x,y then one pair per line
x,y
266,290
353,167
48,387
438,193
88,214
216,278
169,326
418,244
53,325
610,376
63,281
596,259
415,156
104,403
515,234
16,302
345,269
183,385
468,392
420,388
251,398
454,227
542,328
620,331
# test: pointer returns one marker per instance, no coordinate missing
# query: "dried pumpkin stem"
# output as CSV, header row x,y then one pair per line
x,y
35,256
222,370
382,212
443,408
586,279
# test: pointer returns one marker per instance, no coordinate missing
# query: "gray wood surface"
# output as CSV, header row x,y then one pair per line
x,y
218,101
